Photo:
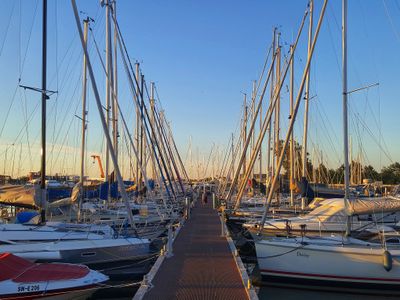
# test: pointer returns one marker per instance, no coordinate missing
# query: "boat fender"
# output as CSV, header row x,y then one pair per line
x,y
288,226
387,260
115,231
303,229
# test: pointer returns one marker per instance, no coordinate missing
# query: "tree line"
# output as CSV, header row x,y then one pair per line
x,y
321,173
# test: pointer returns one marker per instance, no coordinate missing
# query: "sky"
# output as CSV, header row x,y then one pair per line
x,y
202,56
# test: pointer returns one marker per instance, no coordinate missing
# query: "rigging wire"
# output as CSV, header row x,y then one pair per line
x,y
335,50
25,110
22,68
23,127
395,31
7,28
65,140
377,141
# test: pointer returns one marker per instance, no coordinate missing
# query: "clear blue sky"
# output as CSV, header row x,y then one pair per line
x,y
202,55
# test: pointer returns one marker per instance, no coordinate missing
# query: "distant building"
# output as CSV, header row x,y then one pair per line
x,y
4,179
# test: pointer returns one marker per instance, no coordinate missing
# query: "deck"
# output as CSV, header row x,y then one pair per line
x,y
202,265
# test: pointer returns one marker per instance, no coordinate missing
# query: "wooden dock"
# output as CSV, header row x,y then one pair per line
x,y
202,266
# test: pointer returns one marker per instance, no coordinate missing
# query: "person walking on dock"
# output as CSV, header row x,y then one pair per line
x,y
204,198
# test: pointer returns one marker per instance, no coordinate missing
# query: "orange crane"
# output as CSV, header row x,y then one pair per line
x,y
100,164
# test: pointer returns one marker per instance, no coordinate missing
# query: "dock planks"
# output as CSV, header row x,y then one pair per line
x,y
202,266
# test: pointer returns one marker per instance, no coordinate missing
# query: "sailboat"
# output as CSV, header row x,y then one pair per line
x,y
335,261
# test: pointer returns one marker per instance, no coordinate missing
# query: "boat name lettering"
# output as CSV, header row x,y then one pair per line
x,y
28,288
299,253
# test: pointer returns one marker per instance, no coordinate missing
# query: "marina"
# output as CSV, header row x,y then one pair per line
x,y
184,150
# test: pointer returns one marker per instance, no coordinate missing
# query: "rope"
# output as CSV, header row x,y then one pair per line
x,y
130,265
281,254
123,285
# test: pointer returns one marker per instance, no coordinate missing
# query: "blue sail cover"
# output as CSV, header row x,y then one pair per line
x,y
25,216
58,193
103,188
151,184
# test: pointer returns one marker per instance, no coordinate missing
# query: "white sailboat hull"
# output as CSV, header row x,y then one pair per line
x,y
328,263
83,252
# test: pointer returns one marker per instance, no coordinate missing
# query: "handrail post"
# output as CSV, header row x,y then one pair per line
x,y
187,206
222,217
214,201
169,242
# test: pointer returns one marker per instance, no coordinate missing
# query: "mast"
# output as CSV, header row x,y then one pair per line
x,y
314,162
141,131
44,99
351,163
191,171
137,133
115,83
253,116
360,161
213,163
277,115
153,176
345,115
306,105
176,152
198,164
244,132
260,153
174,170
144,139
108,106
84,112
233,159
269,170
291,153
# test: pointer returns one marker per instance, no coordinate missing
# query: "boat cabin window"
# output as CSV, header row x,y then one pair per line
x,y
364,218
88,254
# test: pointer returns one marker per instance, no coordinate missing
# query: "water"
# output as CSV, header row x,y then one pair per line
x,y
288,291
116,292
297,293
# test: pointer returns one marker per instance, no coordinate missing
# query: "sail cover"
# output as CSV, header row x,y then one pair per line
x,y
20,195
363,206
76,192
70,200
